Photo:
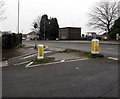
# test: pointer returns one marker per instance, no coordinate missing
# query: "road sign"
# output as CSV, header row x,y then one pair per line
x,y
35,25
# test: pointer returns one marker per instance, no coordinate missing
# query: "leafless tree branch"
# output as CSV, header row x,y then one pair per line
x,y
37,20
2,4
103,16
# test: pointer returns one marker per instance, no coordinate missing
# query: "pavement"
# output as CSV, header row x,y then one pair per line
x,y
12,53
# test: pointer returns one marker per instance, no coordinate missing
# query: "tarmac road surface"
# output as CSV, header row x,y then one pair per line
x,y
80,78
106,48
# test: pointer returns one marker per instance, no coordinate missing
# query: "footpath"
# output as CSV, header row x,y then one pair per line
x,y
16,52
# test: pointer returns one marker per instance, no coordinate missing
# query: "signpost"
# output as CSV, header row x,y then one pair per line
x,y
35,26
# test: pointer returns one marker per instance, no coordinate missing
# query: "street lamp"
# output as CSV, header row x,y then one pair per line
x,y
18,14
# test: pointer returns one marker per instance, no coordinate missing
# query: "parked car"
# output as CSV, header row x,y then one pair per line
x,y
89,38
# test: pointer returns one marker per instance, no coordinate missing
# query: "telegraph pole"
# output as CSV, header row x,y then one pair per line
x,y
18,14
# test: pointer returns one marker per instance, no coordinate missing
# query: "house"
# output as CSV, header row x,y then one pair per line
x,y
5,32
104,36
24,36
70,33
32,35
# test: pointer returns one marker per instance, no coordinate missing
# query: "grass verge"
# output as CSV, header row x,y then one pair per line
x,y
44,60
20,45
81,53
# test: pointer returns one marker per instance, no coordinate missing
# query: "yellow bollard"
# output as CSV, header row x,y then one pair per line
x,y
40,51
95,46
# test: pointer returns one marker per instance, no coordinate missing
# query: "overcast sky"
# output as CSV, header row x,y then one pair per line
x,y
72,13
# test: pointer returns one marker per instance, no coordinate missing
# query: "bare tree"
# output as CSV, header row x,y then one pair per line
x,y
37,20
2,3
103,16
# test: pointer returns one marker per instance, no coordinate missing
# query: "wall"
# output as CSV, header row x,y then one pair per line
x,y
74,33
63,33
70,33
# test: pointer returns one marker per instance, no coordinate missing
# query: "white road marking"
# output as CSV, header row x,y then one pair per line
x,y
43,64
29,64
76,67
113,58
109,48
34,55
47,52
22,63
57,62
28,56
77,60
57,49
3,63
62,61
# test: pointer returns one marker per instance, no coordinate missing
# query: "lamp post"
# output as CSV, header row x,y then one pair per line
x,y
18,14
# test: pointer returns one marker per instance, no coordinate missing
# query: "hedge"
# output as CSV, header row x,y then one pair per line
x,y
11,40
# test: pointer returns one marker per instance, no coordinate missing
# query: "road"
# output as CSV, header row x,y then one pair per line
x,y
76,78
83,78
106,49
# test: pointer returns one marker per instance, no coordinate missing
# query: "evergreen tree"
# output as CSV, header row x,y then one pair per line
x,y
44,23
53,28
48,28
115,29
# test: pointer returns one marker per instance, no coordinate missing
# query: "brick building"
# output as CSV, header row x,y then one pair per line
x,y
70,33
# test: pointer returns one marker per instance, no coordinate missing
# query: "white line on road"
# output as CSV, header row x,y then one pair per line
x,y
29,64
34,55
47,52
77,60
57,62
28,56
22,63
109,48
62,61
113,58
3,63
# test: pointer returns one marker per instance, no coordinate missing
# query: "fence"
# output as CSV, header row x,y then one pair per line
x,y
11,40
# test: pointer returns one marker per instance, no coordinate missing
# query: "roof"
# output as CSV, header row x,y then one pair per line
x,y
31,33
70,28
104,34
5,32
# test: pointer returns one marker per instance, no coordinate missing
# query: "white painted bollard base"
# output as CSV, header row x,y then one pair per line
x,y
40,57
93,52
